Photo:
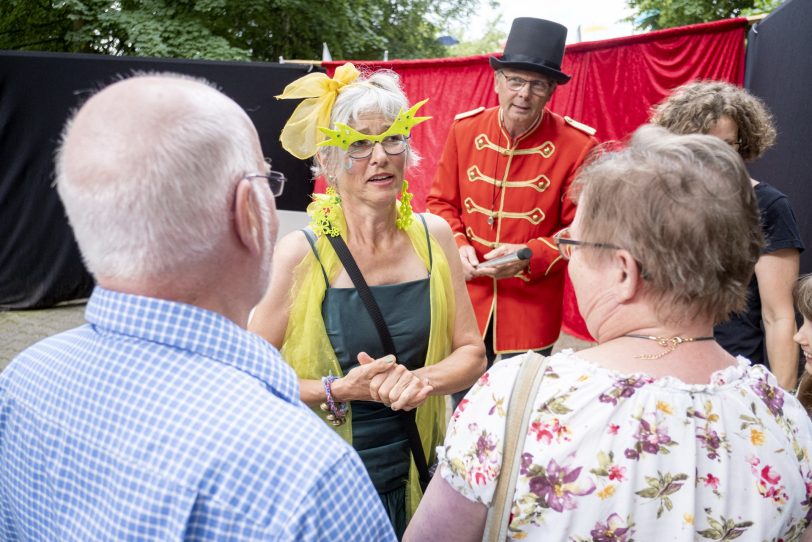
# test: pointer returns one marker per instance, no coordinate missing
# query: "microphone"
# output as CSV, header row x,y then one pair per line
x,y
523,254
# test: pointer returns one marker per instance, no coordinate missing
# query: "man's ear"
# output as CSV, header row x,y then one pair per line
x,y
629,279
247,217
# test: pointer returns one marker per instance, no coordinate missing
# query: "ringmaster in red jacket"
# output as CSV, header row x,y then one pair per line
x,y
502,185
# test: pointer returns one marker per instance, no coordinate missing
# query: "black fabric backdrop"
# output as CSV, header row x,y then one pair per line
x,y
779,70
40,263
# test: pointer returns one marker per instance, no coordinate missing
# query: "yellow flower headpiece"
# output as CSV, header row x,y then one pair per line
x,y
344,136
300,134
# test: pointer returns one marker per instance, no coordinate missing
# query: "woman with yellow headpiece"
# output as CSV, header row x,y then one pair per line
x,y
358,129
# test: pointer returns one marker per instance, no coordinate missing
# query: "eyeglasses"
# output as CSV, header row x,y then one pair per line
x,y
392,145
566,244
276,180
539,87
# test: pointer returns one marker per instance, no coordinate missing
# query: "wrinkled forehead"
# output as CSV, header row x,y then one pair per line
x,y
371,122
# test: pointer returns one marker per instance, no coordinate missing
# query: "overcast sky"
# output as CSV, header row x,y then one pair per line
x,y
598,18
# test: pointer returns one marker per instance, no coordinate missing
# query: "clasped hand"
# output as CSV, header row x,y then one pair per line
x,y
386,382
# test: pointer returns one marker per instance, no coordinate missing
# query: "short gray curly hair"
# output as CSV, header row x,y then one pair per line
x,y
683,206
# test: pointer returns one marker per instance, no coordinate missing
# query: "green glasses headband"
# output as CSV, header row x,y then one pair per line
x,y
344,136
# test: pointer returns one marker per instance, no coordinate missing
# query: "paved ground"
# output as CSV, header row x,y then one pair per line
x,y
20,329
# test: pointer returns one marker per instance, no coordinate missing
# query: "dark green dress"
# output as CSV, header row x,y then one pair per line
x,y
378,432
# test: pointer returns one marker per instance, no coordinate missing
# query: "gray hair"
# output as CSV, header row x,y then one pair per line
x,y
379,92
684,208
150,191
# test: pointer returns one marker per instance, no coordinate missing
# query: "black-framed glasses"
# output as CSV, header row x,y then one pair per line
x,y
566,244
539,87
276,181
392,145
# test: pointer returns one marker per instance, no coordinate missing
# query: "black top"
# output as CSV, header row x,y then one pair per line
x,y
378,432
743,334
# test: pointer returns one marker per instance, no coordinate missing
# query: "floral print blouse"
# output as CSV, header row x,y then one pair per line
x,y
612,457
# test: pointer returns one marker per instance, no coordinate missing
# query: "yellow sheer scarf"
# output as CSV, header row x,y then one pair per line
x,y
308,350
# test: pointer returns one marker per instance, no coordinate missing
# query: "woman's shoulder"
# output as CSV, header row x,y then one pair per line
x,y
491,393
574,388
767,194
291,248
594,435
439,231
436,225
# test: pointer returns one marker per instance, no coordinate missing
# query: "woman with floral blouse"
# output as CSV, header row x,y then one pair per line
x,y
657,433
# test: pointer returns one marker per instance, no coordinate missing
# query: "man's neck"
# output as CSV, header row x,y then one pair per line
x,y
183,290
516,130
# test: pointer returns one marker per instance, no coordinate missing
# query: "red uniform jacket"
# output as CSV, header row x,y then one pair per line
x,y
493,190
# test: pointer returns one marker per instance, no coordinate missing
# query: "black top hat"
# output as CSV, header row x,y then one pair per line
x,y
534,45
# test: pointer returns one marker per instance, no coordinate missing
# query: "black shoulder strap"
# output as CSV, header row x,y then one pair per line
x,y
344,254
366,296
311,238
428,240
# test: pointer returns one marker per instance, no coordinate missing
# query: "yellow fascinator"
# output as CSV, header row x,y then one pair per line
x,y
301,134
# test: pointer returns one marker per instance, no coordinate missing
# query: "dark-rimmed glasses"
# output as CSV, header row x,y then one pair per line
x,y
566,244
276,181
539,87
392,145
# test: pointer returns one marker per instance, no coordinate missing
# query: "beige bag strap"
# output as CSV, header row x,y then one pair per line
x,y
517,420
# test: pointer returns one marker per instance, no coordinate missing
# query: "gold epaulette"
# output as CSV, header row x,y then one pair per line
x,y
470,113
580,126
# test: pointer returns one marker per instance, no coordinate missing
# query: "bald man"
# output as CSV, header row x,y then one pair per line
x,y
162,418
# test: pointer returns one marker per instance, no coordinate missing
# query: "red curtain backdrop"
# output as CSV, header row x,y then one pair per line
x,y
614,84
452,85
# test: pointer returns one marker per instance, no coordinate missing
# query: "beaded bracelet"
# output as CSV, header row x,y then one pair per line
x,y
337,412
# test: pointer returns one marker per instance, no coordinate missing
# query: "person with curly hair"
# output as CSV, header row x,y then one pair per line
x,y
743,121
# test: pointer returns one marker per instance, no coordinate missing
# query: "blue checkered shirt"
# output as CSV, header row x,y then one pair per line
x,y
163,421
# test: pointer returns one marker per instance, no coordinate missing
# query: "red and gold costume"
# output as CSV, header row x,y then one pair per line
x,y
493,189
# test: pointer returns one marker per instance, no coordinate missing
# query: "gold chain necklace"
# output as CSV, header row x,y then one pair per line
x,y
669,343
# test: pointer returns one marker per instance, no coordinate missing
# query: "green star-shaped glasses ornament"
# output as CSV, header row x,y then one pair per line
x,y
344,136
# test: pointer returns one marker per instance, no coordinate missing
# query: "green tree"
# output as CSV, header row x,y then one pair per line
x,y
232,29
490,42
657,14
141,28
